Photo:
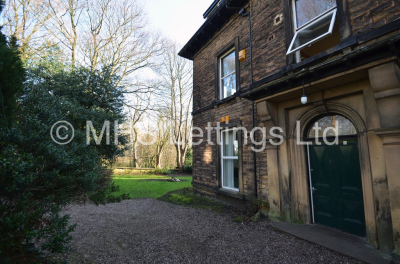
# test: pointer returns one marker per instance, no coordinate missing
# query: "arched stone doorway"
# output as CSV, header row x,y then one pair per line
x,y
334,172
301,200
288,177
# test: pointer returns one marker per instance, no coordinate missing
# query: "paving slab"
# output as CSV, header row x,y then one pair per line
x,y
346,244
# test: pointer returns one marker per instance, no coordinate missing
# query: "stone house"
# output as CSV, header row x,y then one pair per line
x,y
293,65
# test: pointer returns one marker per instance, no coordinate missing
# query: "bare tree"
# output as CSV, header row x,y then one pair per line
x,y
101,33
163,136
25,20
136,112
117,37
176,95
65,17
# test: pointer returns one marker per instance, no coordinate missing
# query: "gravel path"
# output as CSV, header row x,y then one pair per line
x,y
148,230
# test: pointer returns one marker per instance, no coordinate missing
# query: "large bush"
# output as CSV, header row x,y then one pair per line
x,y
38,177
188,165
12,75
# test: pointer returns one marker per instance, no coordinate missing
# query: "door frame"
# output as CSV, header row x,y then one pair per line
x,y
311,190
310,185
300,188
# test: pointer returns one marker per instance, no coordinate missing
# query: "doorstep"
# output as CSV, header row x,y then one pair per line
x,y
343,243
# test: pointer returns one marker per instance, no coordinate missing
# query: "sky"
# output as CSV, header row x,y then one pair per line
x,y
177,19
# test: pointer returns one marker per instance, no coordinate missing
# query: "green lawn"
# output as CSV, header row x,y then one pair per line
x,y
149,186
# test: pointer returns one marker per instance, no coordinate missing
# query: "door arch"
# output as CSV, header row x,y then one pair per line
x,y
334,171
300,200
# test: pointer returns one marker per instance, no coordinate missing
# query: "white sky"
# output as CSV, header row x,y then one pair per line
x,y
177,19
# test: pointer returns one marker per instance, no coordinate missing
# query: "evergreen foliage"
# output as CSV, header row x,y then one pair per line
x,y
188,165
12,76
38,178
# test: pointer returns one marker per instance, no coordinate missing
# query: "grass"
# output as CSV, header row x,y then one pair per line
x,y
186,197
180,193
149,186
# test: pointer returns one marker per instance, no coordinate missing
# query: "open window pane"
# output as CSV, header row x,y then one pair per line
x,y
313,32
228,85
230,170
230,145
228,64
307,10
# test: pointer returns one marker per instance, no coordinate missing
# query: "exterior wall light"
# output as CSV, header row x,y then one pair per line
x,y
304,97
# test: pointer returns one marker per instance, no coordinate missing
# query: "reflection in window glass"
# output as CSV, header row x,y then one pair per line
x,y
229,85
230,144
306,10
331,124
231,173
228,64
228,75
230,160
312,32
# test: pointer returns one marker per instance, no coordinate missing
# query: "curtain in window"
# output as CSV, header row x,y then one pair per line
x,y
230,165
228,173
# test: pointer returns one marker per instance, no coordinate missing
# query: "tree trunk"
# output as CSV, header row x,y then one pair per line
x,y
158,160
183,156
134,144
178,157
134,160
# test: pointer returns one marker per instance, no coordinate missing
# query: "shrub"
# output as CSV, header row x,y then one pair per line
x,y
188,167
12,76
39,178
163,171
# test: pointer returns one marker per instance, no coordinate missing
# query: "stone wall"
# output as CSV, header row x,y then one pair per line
x,y
206,157
366,15
269,51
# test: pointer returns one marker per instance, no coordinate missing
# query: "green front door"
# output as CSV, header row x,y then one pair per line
x,y
336,189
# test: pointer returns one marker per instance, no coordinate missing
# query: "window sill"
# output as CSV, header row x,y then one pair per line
x,y
231,193
216,103
303,64
329,52
227,99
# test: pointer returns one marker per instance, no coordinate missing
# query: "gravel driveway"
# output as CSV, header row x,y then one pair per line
x,y
148,230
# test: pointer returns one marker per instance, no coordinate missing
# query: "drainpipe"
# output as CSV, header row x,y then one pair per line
x,y
243,14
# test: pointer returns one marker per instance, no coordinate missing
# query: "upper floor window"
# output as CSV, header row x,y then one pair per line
x,y
316,28
307,10
227,73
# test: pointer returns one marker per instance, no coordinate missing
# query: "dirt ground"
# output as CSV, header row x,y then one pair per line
x,y
153,231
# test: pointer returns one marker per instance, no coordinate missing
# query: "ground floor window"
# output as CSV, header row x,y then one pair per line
x,y
230,160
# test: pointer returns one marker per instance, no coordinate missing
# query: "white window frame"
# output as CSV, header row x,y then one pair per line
x,y
221,86
332,10
228,157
